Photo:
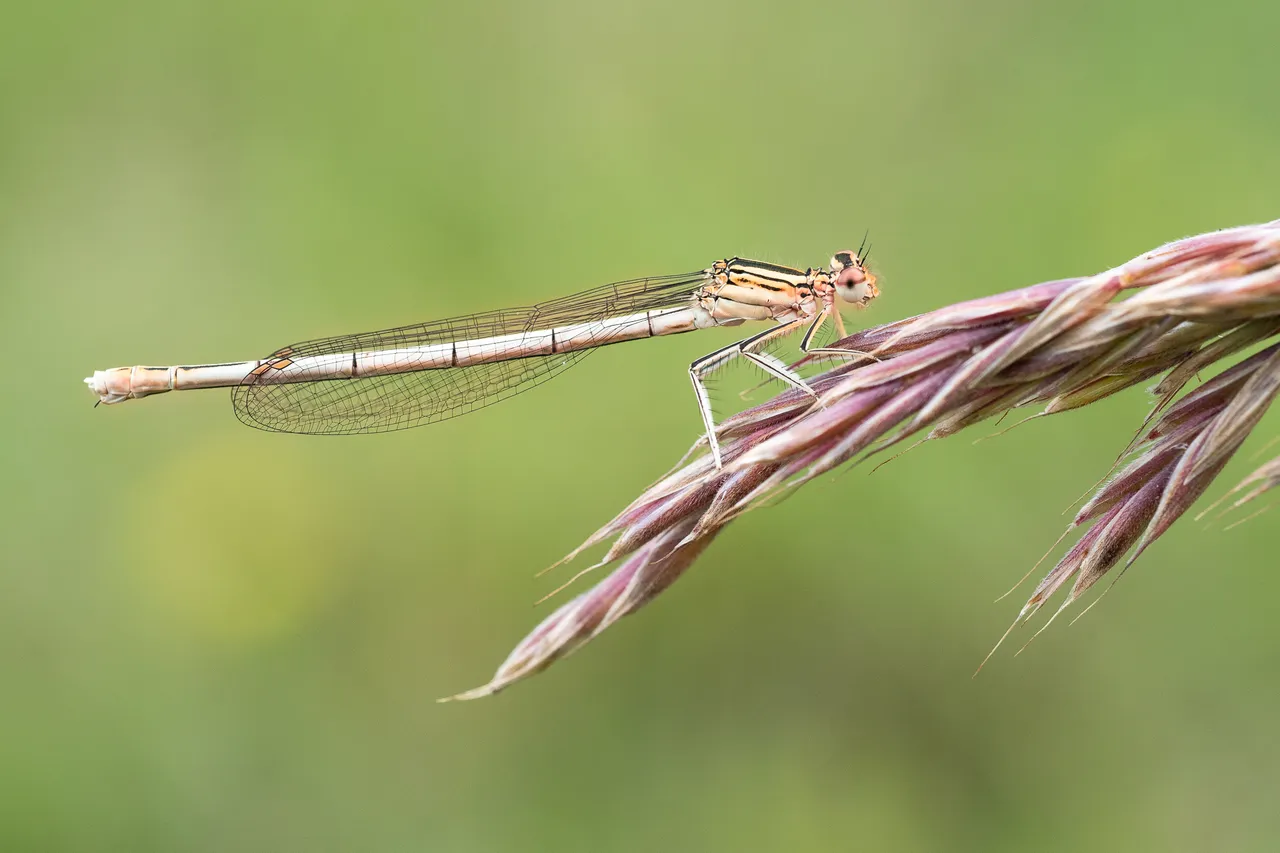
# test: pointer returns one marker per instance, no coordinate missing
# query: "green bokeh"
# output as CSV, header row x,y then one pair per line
x,y
218,639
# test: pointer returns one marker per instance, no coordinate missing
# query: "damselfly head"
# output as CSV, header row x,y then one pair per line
x,y
852,281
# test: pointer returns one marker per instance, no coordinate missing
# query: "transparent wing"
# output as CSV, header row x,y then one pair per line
x,y
402,400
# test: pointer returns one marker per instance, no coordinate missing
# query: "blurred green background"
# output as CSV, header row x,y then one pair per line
x,y
219,639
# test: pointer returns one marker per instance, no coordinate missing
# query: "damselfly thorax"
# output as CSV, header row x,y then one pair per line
x,y
419,374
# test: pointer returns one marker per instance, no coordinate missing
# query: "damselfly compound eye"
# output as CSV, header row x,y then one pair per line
x,y
852,281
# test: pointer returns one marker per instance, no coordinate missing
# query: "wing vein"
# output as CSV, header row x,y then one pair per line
x,y
400,400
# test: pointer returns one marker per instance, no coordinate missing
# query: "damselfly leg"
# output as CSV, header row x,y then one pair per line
x,y
747,348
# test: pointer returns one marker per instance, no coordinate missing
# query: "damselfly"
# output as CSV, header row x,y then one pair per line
x,y
414,375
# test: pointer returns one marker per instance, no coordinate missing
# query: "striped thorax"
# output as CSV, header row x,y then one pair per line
x,y
739,289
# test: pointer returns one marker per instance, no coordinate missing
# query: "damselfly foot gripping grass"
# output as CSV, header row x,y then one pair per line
x,y
420,374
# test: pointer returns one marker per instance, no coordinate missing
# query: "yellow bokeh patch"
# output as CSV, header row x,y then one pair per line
x,y
234,540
